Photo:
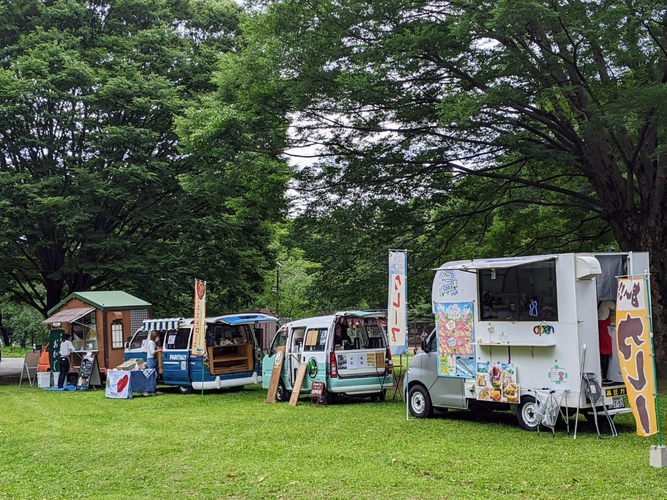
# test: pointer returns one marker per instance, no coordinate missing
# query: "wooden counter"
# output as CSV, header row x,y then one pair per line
x,y
231,358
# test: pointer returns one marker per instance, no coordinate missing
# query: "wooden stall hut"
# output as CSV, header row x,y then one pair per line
x,y
100,321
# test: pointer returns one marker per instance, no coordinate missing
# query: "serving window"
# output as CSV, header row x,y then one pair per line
x,y
521,293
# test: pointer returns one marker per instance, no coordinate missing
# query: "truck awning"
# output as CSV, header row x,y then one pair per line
x,y
242,319
68,315
503,263
161,324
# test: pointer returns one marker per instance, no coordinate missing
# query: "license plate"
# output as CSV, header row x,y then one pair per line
x,y
616,391
617,403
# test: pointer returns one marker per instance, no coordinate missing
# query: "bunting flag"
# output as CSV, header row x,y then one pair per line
x,y
397,310
199,326
635,351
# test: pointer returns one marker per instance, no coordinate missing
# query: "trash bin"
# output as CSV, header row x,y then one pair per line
x,y
43,379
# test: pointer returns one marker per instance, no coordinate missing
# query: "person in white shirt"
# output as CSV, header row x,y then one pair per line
x,y
152,351
66,348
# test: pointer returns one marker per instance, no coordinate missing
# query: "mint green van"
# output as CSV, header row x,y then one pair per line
x,y
356,363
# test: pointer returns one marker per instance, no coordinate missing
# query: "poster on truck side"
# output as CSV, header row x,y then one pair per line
x,y
635,352
454,322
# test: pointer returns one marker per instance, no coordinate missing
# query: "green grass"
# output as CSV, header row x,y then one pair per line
x,y
232,445
14,351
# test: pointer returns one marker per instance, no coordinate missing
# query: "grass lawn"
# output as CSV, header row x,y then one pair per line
x,y
232,445
14,351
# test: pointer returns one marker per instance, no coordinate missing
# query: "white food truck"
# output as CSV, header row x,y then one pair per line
x,y
512,333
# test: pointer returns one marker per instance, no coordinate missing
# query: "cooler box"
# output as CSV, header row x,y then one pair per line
x,y
43,379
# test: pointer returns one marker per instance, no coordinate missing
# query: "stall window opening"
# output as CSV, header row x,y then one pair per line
x,y
522,293
84,332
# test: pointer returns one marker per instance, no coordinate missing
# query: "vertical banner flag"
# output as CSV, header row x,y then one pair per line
x,y
634,342
397,311
199,327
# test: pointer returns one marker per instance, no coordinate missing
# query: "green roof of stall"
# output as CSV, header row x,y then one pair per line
x,y
106,300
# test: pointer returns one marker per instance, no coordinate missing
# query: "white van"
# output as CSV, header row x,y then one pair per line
x,y
513,331
358,364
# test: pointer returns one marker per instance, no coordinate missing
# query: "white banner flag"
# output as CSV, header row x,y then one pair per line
x,y
397,310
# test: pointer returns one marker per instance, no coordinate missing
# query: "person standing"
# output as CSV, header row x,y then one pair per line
x,y
66,348
604,322
152,351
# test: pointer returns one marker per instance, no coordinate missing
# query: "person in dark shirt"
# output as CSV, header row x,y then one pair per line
x,y
340,335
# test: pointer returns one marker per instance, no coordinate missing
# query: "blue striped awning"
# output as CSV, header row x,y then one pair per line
x,y
161,324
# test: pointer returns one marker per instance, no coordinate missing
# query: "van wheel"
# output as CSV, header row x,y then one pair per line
x,y
419,402
379,397
184,389
281,393
527,413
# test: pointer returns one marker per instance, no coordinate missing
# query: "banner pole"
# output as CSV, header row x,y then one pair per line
x,y
203,364
655,374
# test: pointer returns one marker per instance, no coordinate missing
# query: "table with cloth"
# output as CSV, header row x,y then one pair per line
x,y
122,383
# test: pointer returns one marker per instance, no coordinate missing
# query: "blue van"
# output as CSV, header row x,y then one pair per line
x,y
232,352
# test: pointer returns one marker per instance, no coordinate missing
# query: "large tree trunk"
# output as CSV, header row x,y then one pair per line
x,y
649,239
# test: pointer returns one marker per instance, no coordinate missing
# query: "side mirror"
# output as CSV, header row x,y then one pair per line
x,y
127,345
424,345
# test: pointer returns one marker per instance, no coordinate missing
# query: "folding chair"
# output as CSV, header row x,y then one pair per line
x,y
595,395
30,364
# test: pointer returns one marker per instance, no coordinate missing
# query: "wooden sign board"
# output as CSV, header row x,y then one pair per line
x,y
379,360
275,374
318,393
311,338
301,374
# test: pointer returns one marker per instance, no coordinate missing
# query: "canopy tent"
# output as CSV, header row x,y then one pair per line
x,y
242,319
68,315
161,324
503,263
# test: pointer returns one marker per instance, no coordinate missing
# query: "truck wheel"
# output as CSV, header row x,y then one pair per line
x,y
281,393
420,402
526,414
185,389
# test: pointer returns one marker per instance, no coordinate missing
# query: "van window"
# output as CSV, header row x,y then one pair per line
x,y
316,339
279,340
219,335
523,293
138,340
178,340
298,334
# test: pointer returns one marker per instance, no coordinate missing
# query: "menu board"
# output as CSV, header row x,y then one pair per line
x,y
89,372
455,327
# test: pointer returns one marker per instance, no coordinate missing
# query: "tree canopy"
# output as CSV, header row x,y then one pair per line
x,y
558,107
94,188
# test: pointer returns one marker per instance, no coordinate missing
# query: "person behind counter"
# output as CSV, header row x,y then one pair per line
x,y
66,348
340,335
152,350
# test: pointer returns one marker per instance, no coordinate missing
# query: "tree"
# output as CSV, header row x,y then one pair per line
x,y
94,191
558,107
